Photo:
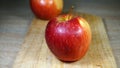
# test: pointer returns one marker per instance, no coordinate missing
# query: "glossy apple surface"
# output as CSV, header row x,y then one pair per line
x,y
68,37
46,9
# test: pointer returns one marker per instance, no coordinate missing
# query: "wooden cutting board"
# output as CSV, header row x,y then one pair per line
x,y
35,53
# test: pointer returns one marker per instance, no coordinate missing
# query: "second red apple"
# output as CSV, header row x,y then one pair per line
x,y
46,9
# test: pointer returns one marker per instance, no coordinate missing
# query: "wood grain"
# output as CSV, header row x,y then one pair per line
x,y
35,53
113,29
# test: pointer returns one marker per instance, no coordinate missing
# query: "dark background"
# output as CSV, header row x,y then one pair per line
x,y
88,6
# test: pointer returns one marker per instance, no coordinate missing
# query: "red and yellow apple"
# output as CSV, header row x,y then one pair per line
x,y
68,37
46,9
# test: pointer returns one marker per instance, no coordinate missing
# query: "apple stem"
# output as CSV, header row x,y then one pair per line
x,y
71,10
70,13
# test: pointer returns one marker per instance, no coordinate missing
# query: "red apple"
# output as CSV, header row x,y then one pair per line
x,y
46,9
68,37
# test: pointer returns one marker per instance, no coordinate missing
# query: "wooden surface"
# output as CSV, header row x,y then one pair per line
x,y
35,53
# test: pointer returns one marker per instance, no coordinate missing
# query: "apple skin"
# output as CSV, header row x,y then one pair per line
x,y
68,37
46,9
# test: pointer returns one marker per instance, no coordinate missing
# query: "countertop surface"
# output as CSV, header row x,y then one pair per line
x,y
16,17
